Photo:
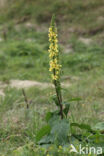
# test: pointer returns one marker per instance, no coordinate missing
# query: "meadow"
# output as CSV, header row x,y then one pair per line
x,y
24,63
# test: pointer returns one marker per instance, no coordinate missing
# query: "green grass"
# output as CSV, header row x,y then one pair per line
x,y
27,60
85,76
24,56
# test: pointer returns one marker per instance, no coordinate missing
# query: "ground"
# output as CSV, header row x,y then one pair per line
x,y
24,64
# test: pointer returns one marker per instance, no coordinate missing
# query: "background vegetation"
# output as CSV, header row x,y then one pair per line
x,y
23,56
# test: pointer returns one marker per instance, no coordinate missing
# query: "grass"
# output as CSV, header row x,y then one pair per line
x,y
84,71
24,56
19,125
26,60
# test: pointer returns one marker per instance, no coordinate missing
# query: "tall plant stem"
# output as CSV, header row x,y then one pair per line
x,y
59,97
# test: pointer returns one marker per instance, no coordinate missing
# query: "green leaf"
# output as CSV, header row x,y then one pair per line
x,y
53,20
99,126
52,116
48,139
54,98
53,120
65,103
81,126
66,110
48,116
60,130
42,132
97,138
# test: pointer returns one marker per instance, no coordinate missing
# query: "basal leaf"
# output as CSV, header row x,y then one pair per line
x,y
42,132
60,131
48,116
99,126
81,126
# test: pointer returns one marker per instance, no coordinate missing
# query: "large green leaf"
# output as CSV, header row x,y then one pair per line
x,y
51,115
99,126
60,130
97,140
42,132
48,139
81,126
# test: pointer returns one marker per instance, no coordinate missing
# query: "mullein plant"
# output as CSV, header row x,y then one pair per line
x,y
58,130
57,127
55,67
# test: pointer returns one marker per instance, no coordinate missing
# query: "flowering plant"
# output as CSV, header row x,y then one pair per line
x,y
57,128
55,67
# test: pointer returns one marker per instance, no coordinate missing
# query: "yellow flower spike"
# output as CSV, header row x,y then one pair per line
x,y
55,67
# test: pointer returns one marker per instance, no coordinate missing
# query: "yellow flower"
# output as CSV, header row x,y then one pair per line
x,y
60,147
55,67
54,77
